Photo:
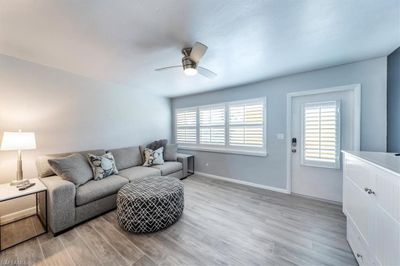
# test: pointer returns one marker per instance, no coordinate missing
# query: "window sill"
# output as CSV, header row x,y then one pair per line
x,y
222,150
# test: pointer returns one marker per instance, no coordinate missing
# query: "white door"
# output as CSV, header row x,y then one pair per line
x,y
321,126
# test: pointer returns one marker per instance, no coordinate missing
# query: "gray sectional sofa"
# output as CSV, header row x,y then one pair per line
x,y
69,205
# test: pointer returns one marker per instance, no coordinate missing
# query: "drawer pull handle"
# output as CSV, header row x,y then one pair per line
x,y
369,191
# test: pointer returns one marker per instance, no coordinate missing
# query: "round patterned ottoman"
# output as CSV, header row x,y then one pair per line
x,y
150,204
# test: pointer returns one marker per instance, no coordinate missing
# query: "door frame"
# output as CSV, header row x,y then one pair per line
x,y
356,88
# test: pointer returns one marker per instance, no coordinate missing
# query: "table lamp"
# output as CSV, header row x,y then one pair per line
x,y
18,141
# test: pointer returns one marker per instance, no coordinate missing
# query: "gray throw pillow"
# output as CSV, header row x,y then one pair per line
x,y
102,166
74,168
153,157
155,145
171,152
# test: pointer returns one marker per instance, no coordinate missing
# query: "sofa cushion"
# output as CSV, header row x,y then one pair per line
x,y
43,166
171,152
74,168
127,157
94,190
168,167
138,172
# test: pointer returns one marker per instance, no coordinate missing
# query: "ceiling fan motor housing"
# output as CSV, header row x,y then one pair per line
x,y
188,63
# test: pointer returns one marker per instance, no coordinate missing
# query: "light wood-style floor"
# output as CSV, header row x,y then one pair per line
x,y
222,224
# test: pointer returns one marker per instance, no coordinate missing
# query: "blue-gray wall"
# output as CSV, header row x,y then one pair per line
x,y
69,113
271,170
393,101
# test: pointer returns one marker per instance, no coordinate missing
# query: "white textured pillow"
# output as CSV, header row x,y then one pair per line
x,y
153,157
102,166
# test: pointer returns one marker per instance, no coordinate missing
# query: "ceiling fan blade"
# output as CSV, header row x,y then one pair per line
x,y
167,68
206,72
198,51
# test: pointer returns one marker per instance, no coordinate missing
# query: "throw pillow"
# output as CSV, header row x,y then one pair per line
x,y
153,157
102,166
171,152
155,145
73,168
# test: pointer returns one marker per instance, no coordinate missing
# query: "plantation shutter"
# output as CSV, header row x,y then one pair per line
x,y
212,125
321,134
246,124
186,126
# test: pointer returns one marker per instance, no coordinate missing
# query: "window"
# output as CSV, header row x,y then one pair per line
x,y
231,127
246,124
186,124
212,125
321,134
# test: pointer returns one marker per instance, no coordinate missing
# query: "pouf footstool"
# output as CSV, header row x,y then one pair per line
x,y
150,204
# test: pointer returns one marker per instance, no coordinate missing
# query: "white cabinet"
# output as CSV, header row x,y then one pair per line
x,y
371,203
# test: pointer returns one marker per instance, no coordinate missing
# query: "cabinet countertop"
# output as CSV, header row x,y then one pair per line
x,y
384,160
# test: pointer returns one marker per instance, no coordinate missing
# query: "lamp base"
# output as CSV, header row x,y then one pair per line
x,y
19,182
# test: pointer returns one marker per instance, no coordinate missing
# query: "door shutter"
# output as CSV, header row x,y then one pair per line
x,y
321,134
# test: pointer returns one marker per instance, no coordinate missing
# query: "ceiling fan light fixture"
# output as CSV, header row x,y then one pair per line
x,y
190,71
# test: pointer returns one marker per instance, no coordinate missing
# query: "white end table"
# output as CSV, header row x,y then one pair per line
x,y
8,193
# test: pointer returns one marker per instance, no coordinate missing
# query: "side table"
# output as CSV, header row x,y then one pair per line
x,y
8,193
190,161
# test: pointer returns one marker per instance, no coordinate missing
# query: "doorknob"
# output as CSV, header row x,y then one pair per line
x,y
369,191
294,144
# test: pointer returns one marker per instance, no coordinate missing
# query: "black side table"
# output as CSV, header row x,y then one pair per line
x,y
190,160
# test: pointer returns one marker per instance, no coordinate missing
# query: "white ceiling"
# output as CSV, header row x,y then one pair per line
x,y
124,40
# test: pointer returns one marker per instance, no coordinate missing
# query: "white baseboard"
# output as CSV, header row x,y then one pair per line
x,y
8,218
246,183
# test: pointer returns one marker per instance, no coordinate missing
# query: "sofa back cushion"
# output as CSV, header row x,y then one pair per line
x,y
127,157
74,168
171,152
43,166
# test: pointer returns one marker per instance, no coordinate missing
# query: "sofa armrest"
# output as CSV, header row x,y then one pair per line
x,y
61,203
183,158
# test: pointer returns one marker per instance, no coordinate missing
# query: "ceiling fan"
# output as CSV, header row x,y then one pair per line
x,y
190,61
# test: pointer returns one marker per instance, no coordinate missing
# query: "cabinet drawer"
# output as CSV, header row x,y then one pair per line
x,y
358,245
385,238
357,204
387,192
358,171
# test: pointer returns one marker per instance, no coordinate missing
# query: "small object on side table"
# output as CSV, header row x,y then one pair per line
x,y
25,186
36,187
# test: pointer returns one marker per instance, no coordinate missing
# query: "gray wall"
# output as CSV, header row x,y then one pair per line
x,y
69,113
271,170
393,101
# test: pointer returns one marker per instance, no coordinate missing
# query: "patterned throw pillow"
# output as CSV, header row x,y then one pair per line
x,y
153,157
102,166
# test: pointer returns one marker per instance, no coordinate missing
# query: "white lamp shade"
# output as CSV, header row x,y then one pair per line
x,y
18,141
